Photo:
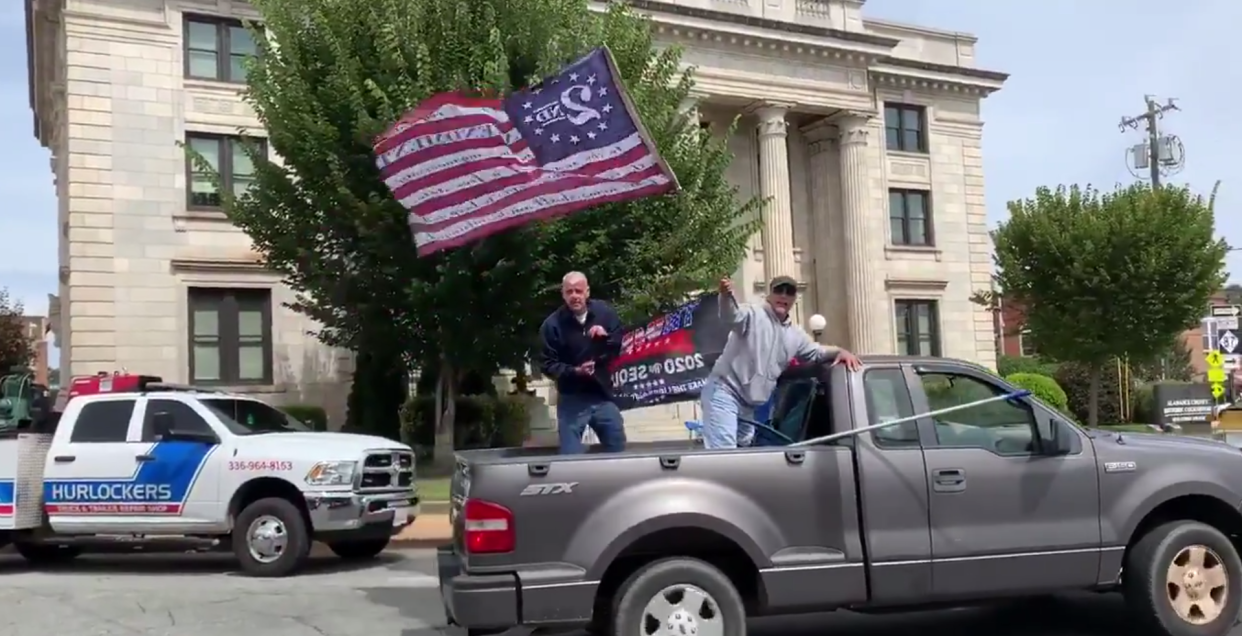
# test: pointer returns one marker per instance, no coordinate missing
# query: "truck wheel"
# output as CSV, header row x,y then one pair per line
x,y
47,553
359,550
679,596
270,538
1184,578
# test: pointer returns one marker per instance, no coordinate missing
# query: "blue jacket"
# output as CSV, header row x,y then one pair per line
x,y
567,345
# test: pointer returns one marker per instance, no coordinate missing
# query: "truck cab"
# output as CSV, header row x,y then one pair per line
x,y
156,462
925,481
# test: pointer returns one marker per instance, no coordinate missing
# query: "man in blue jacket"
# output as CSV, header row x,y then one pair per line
x,y
579,340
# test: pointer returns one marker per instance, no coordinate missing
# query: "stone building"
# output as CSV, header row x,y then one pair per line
x,y
865,135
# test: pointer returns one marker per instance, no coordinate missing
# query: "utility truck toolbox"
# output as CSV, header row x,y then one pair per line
x,y
130,459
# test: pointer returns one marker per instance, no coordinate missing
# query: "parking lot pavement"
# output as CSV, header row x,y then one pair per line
x,y
202,595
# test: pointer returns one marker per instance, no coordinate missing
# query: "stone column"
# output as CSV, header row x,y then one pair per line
x,y
825,226
778,255
689,109
866,330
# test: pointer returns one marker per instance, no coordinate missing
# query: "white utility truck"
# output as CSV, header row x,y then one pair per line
x,y
134,462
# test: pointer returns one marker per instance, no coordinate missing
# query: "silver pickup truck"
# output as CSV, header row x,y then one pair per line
x,y
1001,500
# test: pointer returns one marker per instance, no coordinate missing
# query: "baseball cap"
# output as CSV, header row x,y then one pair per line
x,y
779,281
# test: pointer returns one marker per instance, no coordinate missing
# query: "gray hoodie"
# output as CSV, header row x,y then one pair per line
x,y
760,348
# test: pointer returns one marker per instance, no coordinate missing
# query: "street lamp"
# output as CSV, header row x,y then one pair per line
x,y
816,323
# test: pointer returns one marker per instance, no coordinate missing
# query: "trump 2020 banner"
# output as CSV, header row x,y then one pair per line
x,y
668,359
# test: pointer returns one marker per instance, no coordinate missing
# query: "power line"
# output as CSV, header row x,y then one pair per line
x,y
1160,155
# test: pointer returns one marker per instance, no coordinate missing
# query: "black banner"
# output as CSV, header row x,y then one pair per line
x,y
668,359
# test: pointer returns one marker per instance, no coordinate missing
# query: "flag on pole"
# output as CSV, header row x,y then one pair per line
x,y
467,168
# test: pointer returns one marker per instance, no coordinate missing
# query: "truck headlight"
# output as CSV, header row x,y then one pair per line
x,y
332,474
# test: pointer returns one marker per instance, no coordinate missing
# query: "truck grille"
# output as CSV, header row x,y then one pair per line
x,y
386,470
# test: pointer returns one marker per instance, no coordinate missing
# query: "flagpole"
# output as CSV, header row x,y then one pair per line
x,y
903,420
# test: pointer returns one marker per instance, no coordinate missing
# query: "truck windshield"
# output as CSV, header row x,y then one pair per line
x,y
251,417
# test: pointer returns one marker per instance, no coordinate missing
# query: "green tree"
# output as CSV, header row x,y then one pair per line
x,y
342,70
1171,362
16,350
1109,275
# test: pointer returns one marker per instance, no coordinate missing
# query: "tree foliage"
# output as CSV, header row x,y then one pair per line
x,y
1110,275
338,72
16,347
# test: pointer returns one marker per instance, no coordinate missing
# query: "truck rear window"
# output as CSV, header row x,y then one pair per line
x,y
888,398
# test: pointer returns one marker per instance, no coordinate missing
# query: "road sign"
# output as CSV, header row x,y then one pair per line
x,y
1226,311
1227,342
1226,323
1216,374
1233,362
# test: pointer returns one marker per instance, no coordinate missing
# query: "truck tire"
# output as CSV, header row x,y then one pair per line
x,y
47,553
359,550
1184,578
679,596
270,538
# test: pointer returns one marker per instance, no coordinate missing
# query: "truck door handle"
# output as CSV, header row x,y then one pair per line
x,y
948,480
144,458
63,459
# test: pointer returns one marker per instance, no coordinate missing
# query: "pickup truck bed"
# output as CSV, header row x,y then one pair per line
x,y
995,501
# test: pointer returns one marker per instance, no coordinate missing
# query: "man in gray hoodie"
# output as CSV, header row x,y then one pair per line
x,y
762,343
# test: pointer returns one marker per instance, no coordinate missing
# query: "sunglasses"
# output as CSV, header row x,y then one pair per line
x,y
785,290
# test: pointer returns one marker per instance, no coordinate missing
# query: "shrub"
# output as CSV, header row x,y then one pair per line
x,y
481,421
313,416
1041,386
1143,404
1009,365
1075,380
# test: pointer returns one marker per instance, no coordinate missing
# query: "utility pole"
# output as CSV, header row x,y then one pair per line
x,y
1154,159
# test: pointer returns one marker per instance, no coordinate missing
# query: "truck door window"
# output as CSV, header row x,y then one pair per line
x,y
1002,427
888,398
105,421
185,418
249,417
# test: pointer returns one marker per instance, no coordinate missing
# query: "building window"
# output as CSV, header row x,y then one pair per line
x,y
918,327
227,156
1026,344
217,49
909,217
904,128
230,336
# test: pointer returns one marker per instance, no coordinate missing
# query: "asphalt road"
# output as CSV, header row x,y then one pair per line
x,y
200,595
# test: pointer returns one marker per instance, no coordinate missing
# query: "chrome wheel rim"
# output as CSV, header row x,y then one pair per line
x,y
1197,584
266,539
682,610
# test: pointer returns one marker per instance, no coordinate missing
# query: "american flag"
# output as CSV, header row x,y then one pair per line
x,y
467,168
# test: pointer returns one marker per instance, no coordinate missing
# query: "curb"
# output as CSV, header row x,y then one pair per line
x,y
433,531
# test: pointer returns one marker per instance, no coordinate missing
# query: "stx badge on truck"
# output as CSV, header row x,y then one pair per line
x,y
549,489
1120,467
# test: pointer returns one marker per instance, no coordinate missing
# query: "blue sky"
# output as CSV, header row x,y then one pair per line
x,y
1076,68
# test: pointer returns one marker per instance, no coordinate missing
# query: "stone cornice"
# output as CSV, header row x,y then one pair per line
x,y
766,37
236,265
904,74
837,38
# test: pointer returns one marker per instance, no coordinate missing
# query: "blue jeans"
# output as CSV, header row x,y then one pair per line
x,y
721,408
574,413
